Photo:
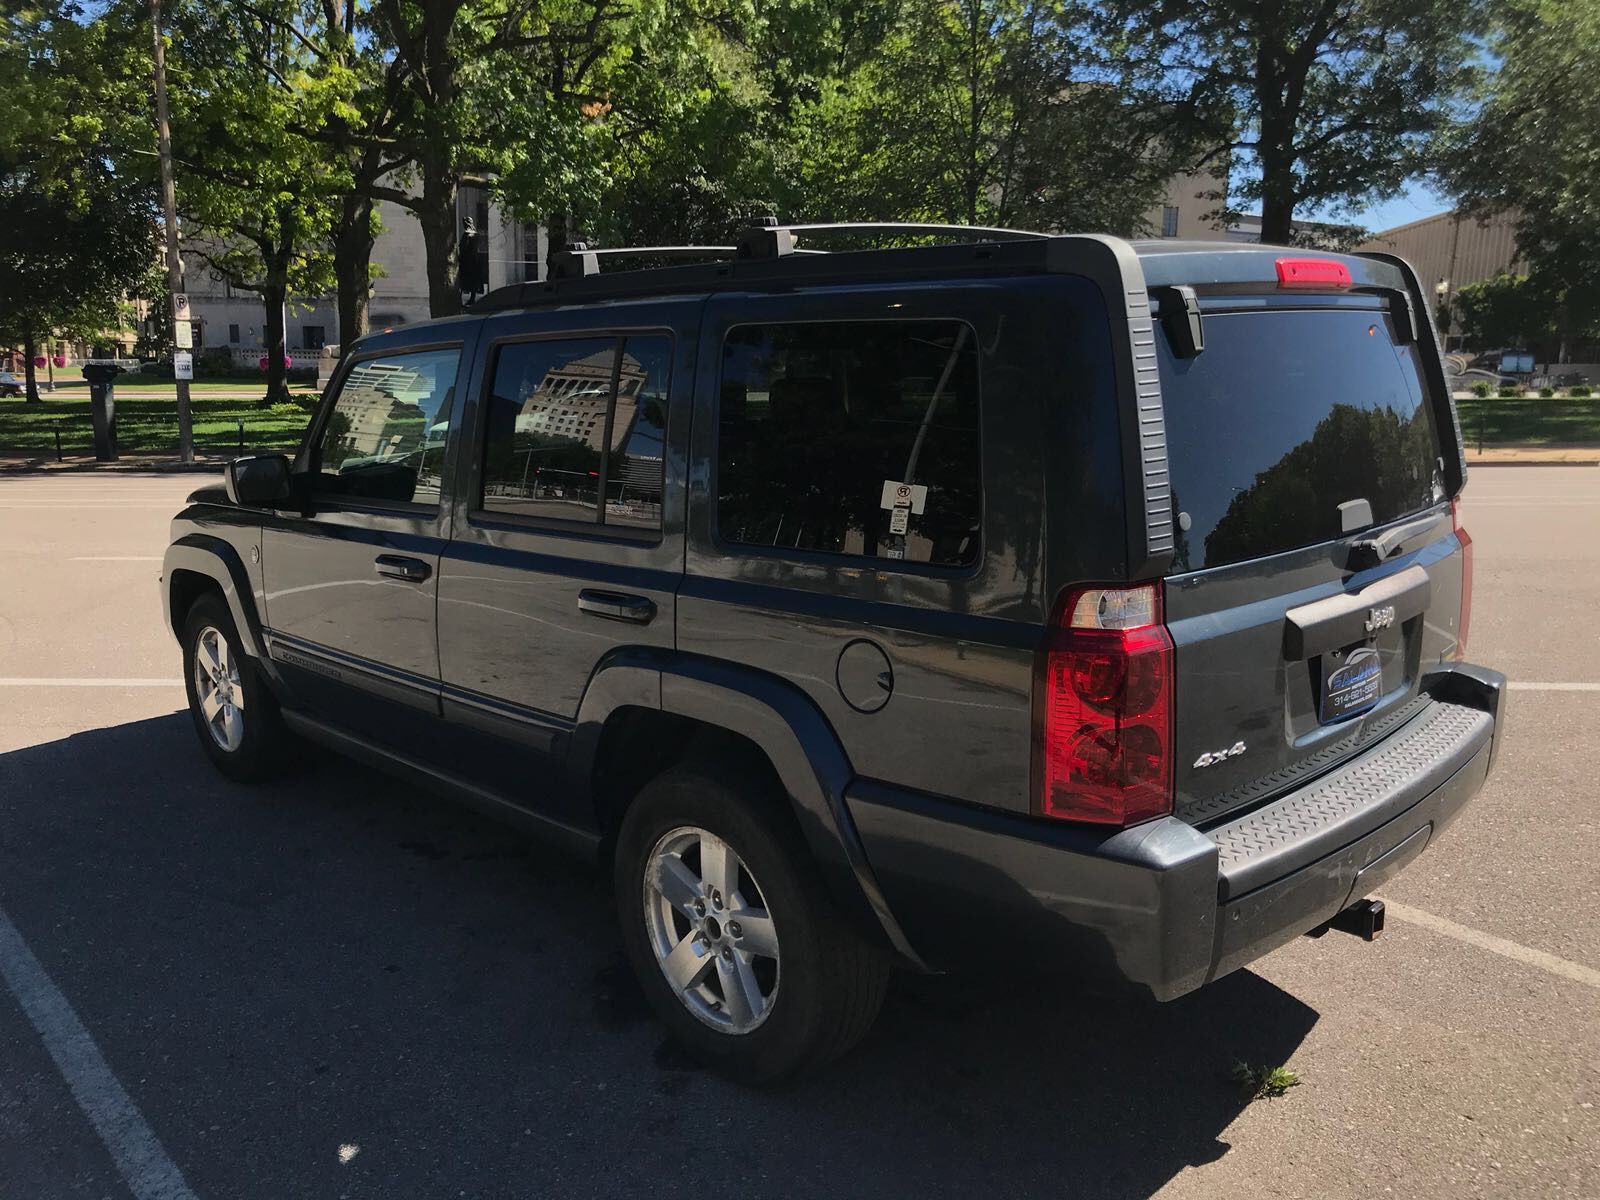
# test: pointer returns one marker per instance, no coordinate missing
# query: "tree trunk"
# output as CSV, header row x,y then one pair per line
x,y
558,234
352,266
1277,186
275,339
437,216
29,371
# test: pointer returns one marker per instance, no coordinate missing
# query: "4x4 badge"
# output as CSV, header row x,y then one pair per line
x,y
1216,756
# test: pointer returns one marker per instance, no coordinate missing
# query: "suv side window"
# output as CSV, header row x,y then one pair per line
x,y
573,422
816,418
384,438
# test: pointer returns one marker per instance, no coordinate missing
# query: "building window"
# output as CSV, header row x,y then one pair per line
x,y
233,334
552,404
384,439
312,336
821,422
1169,221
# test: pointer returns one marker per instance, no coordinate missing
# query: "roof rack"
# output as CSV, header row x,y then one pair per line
x,y
767,250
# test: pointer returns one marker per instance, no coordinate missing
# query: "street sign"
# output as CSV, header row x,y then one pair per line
x,y
180,306
182,365
183,335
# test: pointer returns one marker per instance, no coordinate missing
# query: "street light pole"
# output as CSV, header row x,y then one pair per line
x,y
169,202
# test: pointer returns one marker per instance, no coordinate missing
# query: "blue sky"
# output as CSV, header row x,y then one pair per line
x,y
1416,202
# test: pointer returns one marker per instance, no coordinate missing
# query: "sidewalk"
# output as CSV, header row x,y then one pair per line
x,y
1532,456
32,462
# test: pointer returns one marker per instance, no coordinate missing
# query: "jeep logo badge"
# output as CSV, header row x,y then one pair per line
x,y
1380,618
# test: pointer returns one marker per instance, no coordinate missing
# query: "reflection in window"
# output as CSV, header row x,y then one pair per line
x,y
551,409
817,418
384,439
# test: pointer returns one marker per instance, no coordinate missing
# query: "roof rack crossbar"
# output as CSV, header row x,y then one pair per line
x,y
775,241
579,260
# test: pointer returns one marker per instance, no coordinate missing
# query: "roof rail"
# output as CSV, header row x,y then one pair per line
x,y
579,260
771,240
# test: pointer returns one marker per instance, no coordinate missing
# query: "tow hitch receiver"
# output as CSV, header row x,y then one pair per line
x,y
1364,918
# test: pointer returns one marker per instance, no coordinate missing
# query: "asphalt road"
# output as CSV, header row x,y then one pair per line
x,y
338,987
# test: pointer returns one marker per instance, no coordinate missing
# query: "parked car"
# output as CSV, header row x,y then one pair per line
x,y
1053,604
10,385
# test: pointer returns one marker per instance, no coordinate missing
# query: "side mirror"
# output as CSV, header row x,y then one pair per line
x,y
259,481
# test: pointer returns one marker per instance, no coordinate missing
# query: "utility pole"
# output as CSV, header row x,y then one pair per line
x,y
169,201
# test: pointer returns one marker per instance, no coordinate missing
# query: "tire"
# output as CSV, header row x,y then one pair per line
x,y
245,738
819,990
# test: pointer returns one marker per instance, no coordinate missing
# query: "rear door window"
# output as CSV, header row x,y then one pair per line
x,y
1283,417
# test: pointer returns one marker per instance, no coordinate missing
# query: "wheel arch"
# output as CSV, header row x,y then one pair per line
x,y
647,710
197,563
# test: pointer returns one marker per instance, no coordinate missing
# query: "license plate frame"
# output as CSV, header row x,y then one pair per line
x,y
1352,683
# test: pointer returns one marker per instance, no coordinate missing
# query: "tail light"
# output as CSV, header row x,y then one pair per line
x,y
1466,579
1312,273
1105,741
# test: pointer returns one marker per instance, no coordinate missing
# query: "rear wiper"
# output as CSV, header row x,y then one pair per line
x,y
1372,552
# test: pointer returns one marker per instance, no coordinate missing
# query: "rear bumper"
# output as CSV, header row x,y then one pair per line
x,y
1163,907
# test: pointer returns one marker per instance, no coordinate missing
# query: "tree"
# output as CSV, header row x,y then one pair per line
x,y
75,235
1507,310
1321,104
987,112
513,95
257,192
1531,148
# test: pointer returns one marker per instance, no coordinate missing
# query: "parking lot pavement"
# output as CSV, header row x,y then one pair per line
x,y
336,986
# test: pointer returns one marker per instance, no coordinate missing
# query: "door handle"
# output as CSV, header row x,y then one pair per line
x,y
619,606
399,566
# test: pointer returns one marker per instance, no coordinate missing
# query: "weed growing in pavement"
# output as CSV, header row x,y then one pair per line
x,y
1264,1083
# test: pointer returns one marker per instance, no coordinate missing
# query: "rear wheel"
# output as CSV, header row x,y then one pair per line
x,y
235,716
730,933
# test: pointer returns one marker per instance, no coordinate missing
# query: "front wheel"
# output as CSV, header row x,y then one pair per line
x,y
235,716
731,934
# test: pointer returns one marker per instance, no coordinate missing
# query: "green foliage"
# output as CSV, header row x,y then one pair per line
x,y
1482,388
1579,392
1530,148
1264,1083
982,111
1547,393
74,233
1327,104
1574,422
1505,310
1509,391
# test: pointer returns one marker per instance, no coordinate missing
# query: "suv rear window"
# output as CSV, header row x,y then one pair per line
x,y
822,423
1284,416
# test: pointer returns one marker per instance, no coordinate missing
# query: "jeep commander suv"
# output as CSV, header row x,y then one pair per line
x,y
1093,604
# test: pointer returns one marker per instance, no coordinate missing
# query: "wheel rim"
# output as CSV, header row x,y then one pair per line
x,y
713,937
217,691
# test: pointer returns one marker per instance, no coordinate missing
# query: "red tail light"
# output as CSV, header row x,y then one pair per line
x,y
1466,579
1312,273
1105,747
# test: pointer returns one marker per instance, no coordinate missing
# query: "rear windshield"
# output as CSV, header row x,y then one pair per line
x,y
1283,417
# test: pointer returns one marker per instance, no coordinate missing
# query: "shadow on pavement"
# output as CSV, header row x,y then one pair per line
x,y
336,960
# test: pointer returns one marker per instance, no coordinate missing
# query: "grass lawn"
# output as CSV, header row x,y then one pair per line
x,y
150,424
1529,420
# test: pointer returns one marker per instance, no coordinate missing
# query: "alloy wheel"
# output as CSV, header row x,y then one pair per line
x,y
709,927
217,688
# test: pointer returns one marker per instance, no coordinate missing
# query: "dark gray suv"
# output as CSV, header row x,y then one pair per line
x,y
1052,600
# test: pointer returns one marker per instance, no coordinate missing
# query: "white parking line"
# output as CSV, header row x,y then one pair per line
x,y
1496,945
134,1147
1553,687
84,682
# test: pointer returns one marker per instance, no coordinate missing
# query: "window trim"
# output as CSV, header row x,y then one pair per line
x,y
479,517
306,460
827,558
